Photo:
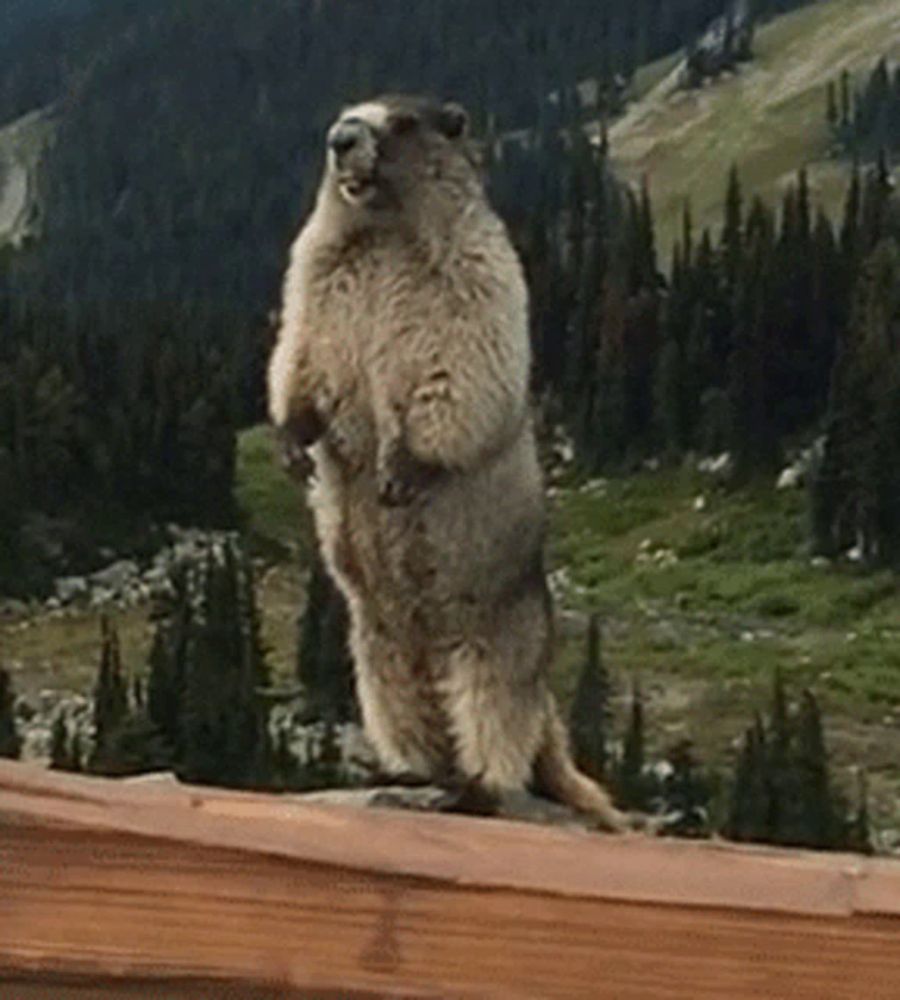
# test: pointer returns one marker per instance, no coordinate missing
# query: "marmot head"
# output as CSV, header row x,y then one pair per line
x,y
397,151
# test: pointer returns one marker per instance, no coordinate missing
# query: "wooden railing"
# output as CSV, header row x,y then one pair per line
x,y
128,890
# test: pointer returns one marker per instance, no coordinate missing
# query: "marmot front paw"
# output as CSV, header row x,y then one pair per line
x,y
402,477
293,456
304,426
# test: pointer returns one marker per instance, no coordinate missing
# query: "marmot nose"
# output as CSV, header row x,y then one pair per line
x,y
345,136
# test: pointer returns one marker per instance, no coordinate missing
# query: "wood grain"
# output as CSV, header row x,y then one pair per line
x,y
110,889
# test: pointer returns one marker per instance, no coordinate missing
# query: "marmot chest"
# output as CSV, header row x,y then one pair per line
x,y
375,314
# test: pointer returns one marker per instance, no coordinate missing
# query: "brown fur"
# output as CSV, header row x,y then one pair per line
x,y
403,362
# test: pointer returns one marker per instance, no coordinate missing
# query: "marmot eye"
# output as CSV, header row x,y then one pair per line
x,y
403,124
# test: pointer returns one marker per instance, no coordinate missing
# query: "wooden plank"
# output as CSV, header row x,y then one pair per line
x,y
158,890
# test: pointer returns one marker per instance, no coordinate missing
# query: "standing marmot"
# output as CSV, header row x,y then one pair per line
x,y
403,362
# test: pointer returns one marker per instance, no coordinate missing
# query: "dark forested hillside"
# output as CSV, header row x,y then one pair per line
x,y
188,143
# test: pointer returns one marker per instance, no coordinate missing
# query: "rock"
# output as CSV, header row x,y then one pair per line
x,y
70,588
48,699
721,466
116,575
791,478
159,779
23,709
595,486
53,604
101,596
11,609
432,798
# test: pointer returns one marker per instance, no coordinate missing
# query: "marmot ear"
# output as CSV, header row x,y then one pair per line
x,y
453,121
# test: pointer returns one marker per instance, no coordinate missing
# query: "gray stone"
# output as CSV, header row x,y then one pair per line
x,y
70,588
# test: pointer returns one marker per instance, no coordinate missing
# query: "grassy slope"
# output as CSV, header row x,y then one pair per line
x,y
770,118
61,651
703,632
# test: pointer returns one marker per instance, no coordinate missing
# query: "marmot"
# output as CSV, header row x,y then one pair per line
x,y
402,364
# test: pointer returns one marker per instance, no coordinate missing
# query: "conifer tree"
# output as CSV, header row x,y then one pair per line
x,y
780,782
65,746
590,716
685,793
817,826
858,835
754,436
749,805
324,666
222,708
733,230
832,115
10,741
856,490
631,782
110,697
846,100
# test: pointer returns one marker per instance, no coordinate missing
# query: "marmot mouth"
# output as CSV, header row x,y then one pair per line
x,y
356,188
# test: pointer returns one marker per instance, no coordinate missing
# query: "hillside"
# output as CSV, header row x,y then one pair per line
x,y
701,601
769,118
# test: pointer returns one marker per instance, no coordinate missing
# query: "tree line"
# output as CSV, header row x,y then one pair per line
x,y
778,327
866,119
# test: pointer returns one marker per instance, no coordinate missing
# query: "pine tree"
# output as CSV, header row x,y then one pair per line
x,y
285,766
857,489
685,793
832,115
324,666
167,666
670,397
631,782
110,699
754,434
733,230
590,717
858,834
817,824
846,100
10,741
780,775
65,749
205,716
749,805
850,237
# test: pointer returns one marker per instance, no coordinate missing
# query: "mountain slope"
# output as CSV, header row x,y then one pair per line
x,y
769,118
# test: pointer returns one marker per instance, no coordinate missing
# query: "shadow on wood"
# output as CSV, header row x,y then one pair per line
x,y
125,890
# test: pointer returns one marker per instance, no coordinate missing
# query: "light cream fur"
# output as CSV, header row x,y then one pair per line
x,y
403,361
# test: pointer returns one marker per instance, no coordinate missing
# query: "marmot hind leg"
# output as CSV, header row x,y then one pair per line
x,y
494,693
404,725
506,725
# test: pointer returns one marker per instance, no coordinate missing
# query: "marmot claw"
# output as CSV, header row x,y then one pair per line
x,y
294,457
402,477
